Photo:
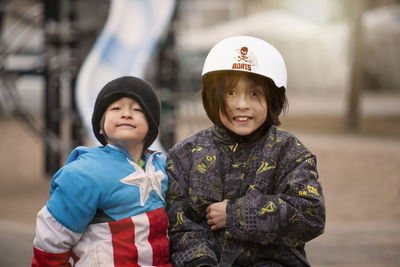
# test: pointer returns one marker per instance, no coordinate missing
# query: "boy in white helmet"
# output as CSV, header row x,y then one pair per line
x,y
243,192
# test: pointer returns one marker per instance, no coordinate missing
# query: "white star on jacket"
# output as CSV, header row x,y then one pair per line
x,y
146,181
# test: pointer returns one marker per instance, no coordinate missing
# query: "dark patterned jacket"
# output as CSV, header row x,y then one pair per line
x,y
275,199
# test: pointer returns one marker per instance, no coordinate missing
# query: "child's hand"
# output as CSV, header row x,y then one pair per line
x,y
216,215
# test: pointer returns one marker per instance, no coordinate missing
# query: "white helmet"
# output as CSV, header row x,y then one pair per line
x,y
249,54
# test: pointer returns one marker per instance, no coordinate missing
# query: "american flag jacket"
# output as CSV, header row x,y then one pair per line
x,y
104,210
275,198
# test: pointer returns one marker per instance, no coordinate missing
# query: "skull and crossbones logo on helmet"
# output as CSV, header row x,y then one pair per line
x,y
243,54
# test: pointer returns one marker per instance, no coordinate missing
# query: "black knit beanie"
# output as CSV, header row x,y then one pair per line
x,y
135,88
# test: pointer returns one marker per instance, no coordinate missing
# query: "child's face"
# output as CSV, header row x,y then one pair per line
x,y
246,108
125,123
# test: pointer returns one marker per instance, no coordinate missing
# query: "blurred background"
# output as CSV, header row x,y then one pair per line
x,y
343,60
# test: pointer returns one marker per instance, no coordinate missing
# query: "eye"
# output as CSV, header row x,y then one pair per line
x,y
230,92
256,93
136,108
115,108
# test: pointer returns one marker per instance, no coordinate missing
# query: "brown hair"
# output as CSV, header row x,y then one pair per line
x,y
215,83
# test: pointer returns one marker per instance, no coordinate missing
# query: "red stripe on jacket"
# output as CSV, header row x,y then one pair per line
x,y
158,236
123,240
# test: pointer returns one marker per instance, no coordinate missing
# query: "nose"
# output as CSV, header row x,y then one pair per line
x,y
242,101
126,113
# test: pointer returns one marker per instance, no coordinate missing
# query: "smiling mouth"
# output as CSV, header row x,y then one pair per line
x,y
125,125
241,118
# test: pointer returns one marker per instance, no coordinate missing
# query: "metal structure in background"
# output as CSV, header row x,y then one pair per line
x,y
52,102
61,67
55,65
67,34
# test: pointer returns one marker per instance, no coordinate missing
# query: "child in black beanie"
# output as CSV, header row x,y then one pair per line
x,y
106,205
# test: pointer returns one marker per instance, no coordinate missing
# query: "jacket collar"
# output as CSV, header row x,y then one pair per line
x,y
223,135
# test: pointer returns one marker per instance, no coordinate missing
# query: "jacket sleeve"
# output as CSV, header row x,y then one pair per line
x,y
293,215
61,223
190,239
53,242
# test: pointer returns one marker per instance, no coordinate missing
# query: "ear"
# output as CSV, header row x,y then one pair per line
x,y
102,125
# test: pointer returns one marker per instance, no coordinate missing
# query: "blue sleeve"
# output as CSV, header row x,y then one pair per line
x,y
74,197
